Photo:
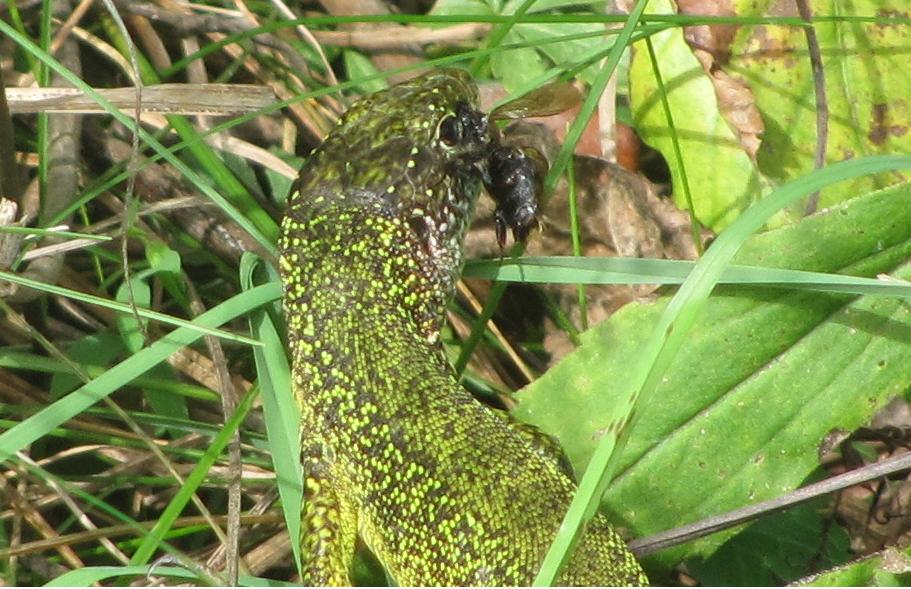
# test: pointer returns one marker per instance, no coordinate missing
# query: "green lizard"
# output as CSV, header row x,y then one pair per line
x,y
442,490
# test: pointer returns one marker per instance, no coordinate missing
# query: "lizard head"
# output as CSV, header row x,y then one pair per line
x,y
413,149
391,191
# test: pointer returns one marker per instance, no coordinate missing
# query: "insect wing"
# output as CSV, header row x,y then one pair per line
x,y
548,100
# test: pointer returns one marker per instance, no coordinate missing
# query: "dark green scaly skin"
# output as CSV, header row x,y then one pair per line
x,y
443,491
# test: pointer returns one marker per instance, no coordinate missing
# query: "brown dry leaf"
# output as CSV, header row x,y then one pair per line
x,y
714,40
738,107
711,46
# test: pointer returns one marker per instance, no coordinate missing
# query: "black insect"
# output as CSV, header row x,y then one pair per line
x,y
513,174
515,182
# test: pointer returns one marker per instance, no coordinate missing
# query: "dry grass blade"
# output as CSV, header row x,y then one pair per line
x,y
183,99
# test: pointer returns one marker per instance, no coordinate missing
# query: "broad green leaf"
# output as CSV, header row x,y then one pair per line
x,y
778,547
95,349
889,568
867,85
515,67
357,66
722,177
461,7
766,375
101,349
569,52
139,293
166,403
161,257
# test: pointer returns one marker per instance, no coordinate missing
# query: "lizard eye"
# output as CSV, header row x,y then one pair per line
x,y
450,131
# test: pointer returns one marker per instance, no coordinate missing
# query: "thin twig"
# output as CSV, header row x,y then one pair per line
x,y
656,542
72,20
77,512
822,103
36,546
129,199
78,371
229,402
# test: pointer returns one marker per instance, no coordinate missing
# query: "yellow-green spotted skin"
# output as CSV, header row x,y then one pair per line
x,y
442,490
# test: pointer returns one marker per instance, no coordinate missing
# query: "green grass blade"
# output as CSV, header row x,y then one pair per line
x,y
280,411
90,575
41,232
157,534
572,270
591,101
560,550
124,308
90,393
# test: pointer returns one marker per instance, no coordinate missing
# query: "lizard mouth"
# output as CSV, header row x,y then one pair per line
x,y
465,134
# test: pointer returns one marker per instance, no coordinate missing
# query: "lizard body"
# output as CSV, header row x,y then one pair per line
x,y
442,490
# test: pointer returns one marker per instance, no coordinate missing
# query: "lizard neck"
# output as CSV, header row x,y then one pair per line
x,y
363,261
360,284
